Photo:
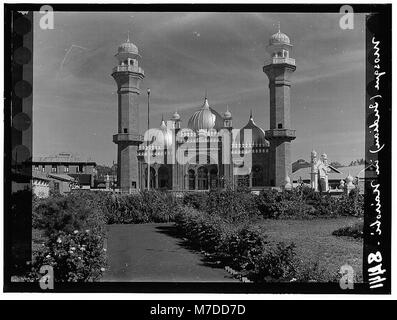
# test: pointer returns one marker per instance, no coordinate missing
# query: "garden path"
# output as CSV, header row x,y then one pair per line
x,y
151,252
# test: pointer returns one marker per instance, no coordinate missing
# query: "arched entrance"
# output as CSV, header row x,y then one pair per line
x,y
152,178
257,176
164,178
214,178
192,179
202,176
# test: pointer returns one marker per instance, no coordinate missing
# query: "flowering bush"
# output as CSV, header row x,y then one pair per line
x,y
76,256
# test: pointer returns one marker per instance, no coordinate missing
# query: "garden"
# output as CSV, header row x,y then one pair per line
x,y
296,235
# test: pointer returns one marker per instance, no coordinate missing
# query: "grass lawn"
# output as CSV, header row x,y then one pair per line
x,y
314,240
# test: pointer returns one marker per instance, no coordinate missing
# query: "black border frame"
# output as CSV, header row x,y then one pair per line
x,y
380,29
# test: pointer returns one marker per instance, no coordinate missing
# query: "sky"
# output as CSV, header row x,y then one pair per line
x,y
185,54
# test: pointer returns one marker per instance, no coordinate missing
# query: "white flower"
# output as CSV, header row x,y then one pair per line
x,y
73,248
71,252
48,256
104,249
102,269
87,230
76,231
59,240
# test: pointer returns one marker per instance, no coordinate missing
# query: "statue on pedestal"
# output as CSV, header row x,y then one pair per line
x,y
319,172
349,184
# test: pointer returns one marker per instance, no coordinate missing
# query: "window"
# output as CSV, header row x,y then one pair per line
x,y
43,168
56,187
280,126
125,130
54,168
81,168
66,169
36,167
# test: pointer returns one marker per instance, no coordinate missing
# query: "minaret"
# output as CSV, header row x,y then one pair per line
x,y
279,69
128,76
227,119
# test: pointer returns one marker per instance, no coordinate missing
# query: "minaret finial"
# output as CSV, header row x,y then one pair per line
x,y
205,94
128,36
250,113
278,27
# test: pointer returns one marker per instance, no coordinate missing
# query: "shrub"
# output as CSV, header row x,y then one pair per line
x,y
352,204
284,205
203,231
274,263
196,200
141,207
242,246
312,271
76,256
68,213
354,231
239,245
232,205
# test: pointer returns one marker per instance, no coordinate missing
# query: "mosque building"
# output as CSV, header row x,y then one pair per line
x,y
207,152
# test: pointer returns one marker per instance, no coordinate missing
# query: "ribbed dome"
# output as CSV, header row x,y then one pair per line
x,y
128,47
127,50
258,135
279,37
205,119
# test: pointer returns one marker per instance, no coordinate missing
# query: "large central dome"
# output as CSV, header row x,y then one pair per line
x,y
205,119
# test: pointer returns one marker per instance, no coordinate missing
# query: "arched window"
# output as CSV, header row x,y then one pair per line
x,y
202,178
257,176
192,180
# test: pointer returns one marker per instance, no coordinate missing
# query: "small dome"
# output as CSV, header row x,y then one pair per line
x,y
205,119
176,116
258,135
279,38
227,115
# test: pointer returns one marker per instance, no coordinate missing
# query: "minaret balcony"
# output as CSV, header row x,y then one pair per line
x,y
128,137
286,134
280,60
128,68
